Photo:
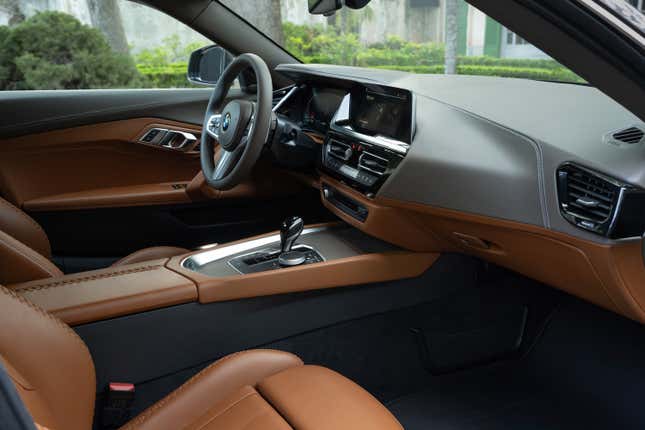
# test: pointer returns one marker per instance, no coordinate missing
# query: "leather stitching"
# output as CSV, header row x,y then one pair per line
x,y
87,278
46,315
145,415
35,258
28,218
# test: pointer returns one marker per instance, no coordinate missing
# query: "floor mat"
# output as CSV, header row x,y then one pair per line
x,y
579,366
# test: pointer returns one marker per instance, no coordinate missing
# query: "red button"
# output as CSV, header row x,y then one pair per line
x,y
122,387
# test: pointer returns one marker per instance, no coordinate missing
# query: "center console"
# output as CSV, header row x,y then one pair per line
x,y
369,136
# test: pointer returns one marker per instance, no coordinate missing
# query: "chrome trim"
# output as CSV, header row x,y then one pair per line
x,y
382,141
330,153
360,166
189,139
284,99
214,121
203,258
612,218
297,246
617,209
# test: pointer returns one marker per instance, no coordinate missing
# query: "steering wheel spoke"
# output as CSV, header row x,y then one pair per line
x,y
227,160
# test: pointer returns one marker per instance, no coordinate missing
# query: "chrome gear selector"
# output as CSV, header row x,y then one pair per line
x,y
289,232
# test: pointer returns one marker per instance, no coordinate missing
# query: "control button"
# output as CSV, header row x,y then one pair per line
x,y
587,224
292,258
366,178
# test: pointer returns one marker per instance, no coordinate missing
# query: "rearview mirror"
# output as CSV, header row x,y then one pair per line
x,y
324,7
207,64
329,7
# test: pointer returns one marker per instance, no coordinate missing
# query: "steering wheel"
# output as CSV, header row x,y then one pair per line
x,y
241,127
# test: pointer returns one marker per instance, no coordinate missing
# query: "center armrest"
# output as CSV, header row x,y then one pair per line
x,y
107,293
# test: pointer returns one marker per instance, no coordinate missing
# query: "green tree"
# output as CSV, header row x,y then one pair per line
x,y
53,50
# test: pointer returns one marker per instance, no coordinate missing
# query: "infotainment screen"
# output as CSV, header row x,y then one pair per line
x,y
382,111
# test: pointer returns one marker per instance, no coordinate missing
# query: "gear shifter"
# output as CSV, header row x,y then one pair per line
x,y
289,233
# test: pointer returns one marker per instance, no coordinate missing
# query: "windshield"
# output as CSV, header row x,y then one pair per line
x,y
418,36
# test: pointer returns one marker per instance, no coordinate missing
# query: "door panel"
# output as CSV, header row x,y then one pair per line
x,y
75,161
89,159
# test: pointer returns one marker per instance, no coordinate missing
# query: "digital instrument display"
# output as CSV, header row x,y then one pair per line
x,y
321,107
384,111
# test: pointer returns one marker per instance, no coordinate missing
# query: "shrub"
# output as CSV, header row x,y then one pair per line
x,y
544,74
53,50
169,76
319,44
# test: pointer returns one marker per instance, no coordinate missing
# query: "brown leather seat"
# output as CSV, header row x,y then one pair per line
x,y
25,252
53,373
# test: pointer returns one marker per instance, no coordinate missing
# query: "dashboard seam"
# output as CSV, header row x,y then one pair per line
x,y
534,144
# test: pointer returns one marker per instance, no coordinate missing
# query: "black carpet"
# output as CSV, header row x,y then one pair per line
x,y
578,366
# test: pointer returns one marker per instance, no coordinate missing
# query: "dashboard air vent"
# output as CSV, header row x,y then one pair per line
x,y
587,199
373,163
630,135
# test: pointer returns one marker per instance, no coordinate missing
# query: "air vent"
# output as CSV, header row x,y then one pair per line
x,y
339,149
587,199
630,135
373,163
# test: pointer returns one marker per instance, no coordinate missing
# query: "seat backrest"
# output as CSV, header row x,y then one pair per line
x,y
48,363
17,224
24,247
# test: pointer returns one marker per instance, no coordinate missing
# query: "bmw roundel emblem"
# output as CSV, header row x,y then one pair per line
x,y
226,122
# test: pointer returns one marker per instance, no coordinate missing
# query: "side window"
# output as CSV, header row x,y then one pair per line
x,y
50,45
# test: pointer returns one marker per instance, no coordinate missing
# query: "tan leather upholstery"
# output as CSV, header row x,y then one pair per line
x,y
243,409
20,263
257,389
23,228
25,251
152,253
107,293
313,397
48,363
212,386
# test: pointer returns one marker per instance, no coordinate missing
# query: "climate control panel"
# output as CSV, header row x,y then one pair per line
x,y
363,165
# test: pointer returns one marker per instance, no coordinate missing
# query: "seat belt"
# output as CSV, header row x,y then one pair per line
x,y
13,413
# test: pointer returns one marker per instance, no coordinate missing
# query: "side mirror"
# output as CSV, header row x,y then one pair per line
x,y
207,64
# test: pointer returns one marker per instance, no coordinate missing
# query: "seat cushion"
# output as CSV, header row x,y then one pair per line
x,y
243,409
212,386
268,390
317,398
152,253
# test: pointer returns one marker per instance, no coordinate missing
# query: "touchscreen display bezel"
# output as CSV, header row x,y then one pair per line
x,y
382,111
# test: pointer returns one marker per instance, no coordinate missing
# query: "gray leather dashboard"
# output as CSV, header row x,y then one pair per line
x,y
26,112
491,146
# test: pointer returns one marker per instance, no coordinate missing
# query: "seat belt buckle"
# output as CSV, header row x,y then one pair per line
x,y
118,404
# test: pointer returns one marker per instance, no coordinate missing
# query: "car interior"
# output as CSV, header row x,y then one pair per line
x,y
315,246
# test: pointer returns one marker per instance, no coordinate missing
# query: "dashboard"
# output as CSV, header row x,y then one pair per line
x,y
546,179
506,148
